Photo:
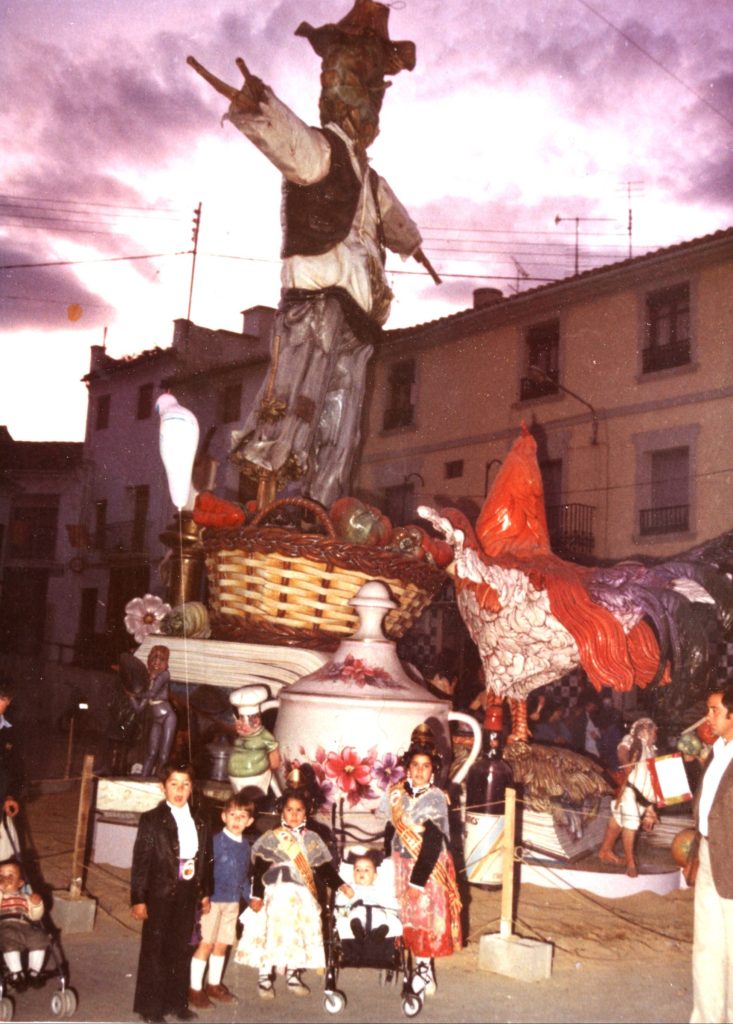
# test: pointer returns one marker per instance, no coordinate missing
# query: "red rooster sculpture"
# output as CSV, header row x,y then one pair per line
x,y
535,617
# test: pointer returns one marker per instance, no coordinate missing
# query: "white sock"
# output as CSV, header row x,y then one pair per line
x,y
35,960
12,959
216,969
198,968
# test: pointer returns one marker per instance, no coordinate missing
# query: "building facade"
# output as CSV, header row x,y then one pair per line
x,y
624,375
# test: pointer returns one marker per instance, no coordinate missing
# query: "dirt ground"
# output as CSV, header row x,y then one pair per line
x,y
599,940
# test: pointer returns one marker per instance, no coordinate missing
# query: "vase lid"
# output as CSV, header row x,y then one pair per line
x,y
366,664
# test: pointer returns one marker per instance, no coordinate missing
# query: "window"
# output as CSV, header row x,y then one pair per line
x,y
551,473
667,329
400,411
101,418
144,402
140,517
230,402
454,469
542,346
670,492
32,532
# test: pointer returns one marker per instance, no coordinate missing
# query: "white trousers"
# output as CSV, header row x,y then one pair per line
x,y
712,949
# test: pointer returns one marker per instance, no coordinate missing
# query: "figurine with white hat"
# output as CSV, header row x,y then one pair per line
x,y
255,751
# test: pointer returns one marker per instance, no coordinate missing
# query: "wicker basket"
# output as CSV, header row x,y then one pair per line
x,y
269,584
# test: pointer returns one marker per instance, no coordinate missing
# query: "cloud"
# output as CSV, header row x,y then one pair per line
x,y
39,297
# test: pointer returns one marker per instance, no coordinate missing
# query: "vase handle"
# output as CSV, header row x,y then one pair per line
x,y
459,716
274,783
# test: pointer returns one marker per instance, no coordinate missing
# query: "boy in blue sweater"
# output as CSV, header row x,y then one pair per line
x,y
218,925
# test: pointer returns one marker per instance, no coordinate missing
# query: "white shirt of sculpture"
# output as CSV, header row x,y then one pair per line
x,y
302,154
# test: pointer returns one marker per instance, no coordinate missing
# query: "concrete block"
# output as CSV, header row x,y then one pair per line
x,y
73,915
523,959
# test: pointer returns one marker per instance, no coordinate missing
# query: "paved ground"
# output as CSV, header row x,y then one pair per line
x,y
103,967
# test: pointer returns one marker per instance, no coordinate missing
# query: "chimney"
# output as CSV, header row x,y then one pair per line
x,y
486,297
257,321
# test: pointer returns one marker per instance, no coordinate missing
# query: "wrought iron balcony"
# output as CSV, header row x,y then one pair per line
x,y
571,529
673,519
664,357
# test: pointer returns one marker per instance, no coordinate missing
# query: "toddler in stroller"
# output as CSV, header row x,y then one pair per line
x,y
21,933
365,930
369,922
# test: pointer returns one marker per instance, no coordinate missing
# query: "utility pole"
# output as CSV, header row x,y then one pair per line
x,y
195,240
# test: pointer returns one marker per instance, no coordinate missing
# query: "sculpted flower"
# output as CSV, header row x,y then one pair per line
x,y
348,769
143,615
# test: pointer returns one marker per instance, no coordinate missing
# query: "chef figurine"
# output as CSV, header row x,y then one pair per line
x,y
255,754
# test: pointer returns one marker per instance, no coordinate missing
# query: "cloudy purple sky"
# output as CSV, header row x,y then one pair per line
x,y
517,112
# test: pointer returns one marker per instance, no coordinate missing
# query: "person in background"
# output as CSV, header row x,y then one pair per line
x,y
634,805
712,864
11,774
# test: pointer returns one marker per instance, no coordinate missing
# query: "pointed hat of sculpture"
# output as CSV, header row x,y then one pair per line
x,y
366,18
513,519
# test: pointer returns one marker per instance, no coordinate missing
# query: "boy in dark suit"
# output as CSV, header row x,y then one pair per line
x,y
171,871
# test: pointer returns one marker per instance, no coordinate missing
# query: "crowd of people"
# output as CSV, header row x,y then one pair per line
x,y
185,883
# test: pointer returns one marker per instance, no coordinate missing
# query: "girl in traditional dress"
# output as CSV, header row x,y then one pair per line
x,y
417,832
282,925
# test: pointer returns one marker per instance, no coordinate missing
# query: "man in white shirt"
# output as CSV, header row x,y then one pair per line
x,y
712,952
338,216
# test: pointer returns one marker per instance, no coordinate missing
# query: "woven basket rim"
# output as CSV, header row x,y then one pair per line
x,y
358,558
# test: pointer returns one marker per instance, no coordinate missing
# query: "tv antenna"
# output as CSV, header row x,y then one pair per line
x,y
631,188
521,272
577,220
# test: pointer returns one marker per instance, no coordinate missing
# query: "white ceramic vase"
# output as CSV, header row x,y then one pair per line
x,y
352,719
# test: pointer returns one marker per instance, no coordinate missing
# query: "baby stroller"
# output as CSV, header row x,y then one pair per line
x,y
375,944
63,1000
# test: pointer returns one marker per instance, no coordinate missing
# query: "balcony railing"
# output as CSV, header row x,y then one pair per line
x,y
126,538
664,357
673,519
571,529
530,388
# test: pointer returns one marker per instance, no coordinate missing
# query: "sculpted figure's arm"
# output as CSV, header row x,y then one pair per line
x,y
299,152
401,233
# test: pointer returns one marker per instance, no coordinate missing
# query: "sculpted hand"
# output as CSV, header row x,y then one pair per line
x,y
247,99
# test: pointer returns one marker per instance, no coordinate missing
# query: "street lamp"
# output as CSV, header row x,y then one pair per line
x,y
407,481
539,376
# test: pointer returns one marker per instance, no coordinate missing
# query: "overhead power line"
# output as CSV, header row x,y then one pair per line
x,y
100,259
663,67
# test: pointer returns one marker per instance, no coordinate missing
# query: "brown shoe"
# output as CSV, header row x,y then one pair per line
x,y
220,993
198,998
